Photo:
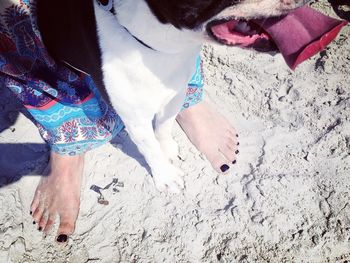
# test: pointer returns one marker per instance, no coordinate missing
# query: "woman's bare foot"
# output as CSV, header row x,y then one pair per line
x,y
211,134
58,194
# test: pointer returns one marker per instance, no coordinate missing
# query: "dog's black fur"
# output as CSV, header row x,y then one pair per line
x,y
68,30
186,13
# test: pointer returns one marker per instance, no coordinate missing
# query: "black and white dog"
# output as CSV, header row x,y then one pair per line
x,y
142,56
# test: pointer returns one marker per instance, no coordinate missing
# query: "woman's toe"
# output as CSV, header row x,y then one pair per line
x,y
66,227
228,152
35,203
43,220
49,223
218,161
38,213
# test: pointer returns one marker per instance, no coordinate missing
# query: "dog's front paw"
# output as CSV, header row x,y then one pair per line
x,y
170,148
168,179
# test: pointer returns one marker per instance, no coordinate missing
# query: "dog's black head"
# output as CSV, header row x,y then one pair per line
x,y
230,22
191,14
177,24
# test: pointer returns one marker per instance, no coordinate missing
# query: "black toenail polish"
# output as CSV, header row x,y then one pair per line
x,y
237,143
30,212
234,162
237,152
62,238
236,135
40,228
224,168
34,222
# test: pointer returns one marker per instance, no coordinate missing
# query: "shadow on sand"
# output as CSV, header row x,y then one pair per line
x,y
21,159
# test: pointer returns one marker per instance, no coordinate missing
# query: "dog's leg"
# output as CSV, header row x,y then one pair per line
x,y
137,113
164,124
165,175
163,130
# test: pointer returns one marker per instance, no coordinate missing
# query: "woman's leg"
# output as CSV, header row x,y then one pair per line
x,y
70,130
206,128
64,104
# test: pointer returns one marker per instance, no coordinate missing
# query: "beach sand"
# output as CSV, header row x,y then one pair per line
x,y
286,200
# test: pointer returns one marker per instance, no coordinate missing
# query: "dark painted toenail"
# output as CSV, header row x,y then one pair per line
x,y
234,162
237,152
30,212
224,168
62,238
237,143
34,222
236,135
40,228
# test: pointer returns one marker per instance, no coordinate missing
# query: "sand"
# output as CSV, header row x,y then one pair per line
x,y
286,200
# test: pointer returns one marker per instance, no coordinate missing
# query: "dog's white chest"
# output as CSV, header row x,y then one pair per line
x,y
136,75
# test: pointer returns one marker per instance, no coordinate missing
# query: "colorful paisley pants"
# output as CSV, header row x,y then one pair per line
x,y
66,106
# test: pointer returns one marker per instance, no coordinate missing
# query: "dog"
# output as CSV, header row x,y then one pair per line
x,y
142,54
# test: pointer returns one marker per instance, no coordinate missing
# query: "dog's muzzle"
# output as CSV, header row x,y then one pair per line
x,y
297,35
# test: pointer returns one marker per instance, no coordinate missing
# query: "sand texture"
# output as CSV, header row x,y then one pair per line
x,y
286,200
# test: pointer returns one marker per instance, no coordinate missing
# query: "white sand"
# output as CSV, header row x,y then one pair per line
x,y
287,199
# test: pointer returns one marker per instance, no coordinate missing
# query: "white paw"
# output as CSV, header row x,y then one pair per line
x,y
170,148
168,178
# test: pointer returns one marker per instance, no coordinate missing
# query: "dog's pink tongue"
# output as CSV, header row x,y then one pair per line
x,y
301,34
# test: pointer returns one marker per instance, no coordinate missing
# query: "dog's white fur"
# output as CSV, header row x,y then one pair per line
x,y
145,84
